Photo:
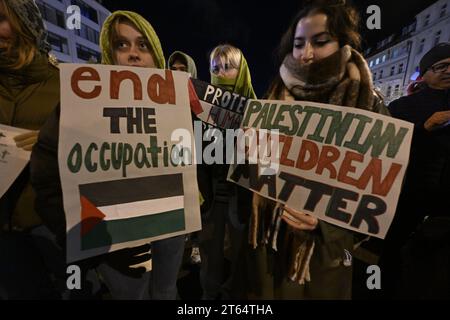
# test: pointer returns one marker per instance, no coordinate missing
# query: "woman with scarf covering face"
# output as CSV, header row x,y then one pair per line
x,y
29,90
126,39
299,256
228,203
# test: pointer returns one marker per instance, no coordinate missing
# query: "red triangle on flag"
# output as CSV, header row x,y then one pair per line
x,y
196,107
90,215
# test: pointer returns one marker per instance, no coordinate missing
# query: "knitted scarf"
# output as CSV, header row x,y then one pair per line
x,y
341,79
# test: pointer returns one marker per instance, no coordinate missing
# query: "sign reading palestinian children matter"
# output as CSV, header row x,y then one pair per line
x,y
12,159
216,106
342,165
126,178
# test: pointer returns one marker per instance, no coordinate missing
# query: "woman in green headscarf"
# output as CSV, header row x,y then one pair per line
x,y
126,39
148,41
230,71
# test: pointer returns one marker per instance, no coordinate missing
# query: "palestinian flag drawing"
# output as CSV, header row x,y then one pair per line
x,y
130,209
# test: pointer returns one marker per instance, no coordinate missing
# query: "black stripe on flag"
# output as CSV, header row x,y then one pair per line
x,y
109,193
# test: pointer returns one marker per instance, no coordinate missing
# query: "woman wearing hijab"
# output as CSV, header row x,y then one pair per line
x,y
229,70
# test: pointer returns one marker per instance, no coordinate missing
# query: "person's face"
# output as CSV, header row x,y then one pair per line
x,y
131,48
224,70
312,41
5,27
179,66
438,76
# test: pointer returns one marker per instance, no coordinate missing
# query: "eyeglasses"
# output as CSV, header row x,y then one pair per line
x,y
226,67
440,68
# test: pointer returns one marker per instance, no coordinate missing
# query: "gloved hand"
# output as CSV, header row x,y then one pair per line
x,y
122,260
27,140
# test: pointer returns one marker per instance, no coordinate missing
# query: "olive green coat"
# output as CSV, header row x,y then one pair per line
x,y
27,97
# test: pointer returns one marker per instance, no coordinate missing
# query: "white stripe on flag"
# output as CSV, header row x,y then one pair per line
x,y
142,208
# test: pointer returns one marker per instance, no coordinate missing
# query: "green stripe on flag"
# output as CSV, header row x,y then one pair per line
x,y
111,232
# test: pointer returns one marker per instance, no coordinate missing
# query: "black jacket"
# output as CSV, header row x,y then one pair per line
x,y
414,259
45,177
427,183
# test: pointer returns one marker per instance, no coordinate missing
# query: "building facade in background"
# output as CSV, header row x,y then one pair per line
x,y
395,60
78,45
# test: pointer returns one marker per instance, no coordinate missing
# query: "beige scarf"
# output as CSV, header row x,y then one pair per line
x,y
342,79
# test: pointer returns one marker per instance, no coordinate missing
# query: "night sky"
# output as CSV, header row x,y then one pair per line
x,y
197,26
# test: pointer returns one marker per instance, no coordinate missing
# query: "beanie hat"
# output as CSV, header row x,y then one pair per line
x,y
437,53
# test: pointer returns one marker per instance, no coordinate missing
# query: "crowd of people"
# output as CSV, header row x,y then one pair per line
x,y
318,59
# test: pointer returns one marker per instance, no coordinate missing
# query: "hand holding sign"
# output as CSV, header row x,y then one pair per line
x,y
125,180
12,159
299,220
26,140
341,165
123,260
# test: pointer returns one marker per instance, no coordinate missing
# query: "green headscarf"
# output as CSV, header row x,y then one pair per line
x,y
241,85
177,55
142,25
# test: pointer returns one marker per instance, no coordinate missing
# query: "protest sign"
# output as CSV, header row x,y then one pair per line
x,y
125,178
12,159
216,106
342,165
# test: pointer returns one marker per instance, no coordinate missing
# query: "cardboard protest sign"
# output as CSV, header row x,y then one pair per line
x,y
126,179
216,106
342,165
12,159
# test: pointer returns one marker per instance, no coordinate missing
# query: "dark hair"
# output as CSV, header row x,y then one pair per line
x,y
343,22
